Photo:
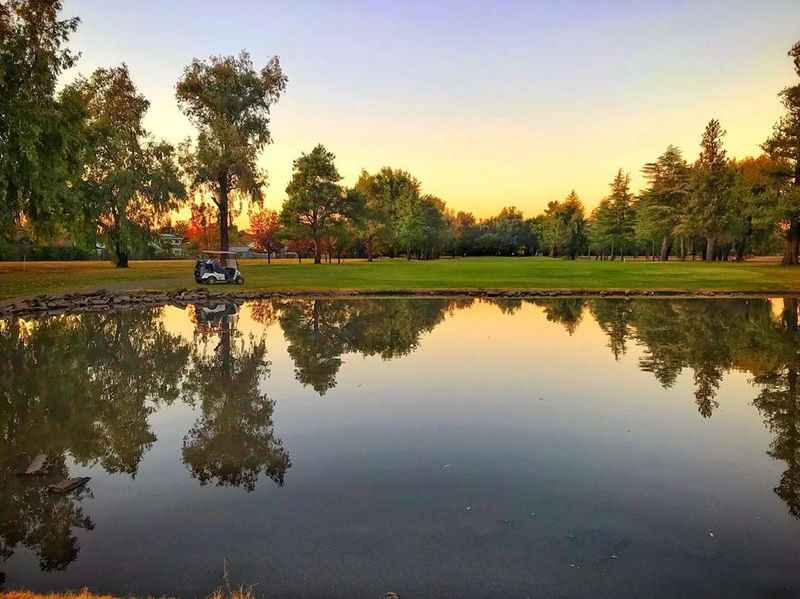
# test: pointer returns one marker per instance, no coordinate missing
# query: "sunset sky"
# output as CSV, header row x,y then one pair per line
x,y
488,104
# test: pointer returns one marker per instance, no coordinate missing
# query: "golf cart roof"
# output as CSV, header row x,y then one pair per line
x,y
218,252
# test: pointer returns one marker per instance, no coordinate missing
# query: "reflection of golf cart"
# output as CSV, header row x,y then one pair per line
x,y
214,318
217,267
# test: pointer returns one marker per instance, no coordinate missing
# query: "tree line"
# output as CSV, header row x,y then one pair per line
x,y
77,163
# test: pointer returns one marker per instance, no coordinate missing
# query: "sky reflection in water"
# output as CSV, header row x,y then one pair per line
x,y
433,447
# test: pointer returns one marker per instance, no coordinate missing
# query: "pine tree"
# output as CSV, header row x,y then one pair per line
x,y
622,212
784,146
662,204
711,188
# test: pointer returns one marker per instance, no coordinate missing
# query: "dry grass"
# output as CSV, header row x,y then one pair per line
x,y
240,593
221,593
82,594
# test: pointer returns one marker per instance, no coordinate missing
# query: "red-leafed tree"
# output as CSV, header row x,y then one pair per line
x,y
303,246
202,228
265,227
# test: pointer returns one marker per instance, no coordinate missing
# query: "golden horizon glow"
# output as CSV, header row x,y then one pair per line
x,y
515,105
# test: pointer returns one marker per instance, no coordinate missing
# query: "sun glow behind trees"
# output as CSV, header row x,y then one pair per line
x,y
727,208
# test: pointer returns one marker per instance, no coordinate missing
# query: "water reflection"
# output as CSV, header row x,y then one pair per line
x,y
82,390
319,332
232,443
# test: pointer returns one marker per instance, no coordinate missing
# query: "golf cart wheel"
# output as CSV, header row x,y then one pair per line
x,y
210,280
239,280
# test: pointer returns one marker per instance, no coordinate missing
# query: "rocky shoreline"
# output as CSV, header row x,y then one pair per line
x,y
103,300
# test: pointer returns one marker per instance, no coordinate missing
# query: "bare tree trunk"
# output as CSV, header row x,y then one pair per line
x,y
683,249
120,253
666,246
317,252
710,248
791,243
222,205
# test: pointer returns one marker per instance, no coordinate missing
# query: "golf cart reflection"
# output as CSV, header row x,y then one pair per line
x,y
210,319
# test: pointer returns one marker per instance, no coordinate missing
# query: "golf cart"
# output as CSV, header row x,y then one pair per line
x,y
217,267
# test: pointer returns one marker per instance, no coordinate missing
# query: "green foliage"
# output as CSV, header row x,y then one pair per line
x,y
316,204
128,180
319,332
38,131
80,391
710,201
44,252
662,205
232,443
229,102
507,234
613,221
385,194
783,146
565,229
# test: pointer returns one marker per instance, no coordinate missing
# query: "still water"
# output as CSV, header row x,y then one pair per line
x,y
430,447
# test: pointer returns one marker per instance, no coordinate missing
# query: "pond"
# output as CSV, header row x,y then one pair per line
x,y
431,447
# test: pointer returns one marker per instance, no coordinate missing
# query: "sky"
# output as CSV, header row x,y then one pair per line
x,y
488,104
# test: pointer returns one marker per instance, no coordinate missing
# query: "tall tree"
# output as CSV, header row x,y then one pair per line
x,y
784,146
572,218
662,204
709,201
229,102
613,220
374,225
315,201
623,212
420,225
39,133
129,180
753,223
601,224
386,195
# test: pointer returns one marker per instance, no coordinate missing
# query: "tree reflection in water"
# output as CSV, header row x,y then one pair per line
x,y
319,332
82,389
233,442
712,338
79,389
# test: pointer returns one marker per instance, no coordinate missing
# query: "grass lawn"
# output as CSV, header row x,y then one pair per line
x,y
18,279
